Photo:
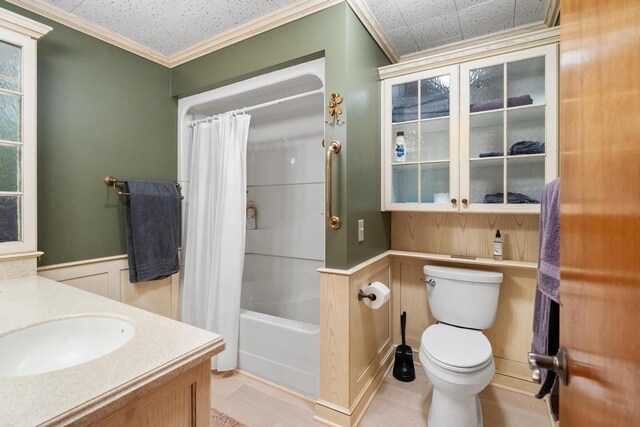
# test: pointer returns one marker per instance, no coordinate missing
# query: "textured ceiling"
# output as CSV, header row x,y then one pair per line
x,y
169,26
415,25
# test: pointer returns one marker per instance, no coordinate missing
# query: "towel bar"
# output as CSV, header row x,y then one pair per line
x,y
116,183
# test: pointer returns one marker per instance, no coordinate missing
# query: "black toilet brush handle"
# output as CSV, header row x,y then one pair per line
x,y
403,325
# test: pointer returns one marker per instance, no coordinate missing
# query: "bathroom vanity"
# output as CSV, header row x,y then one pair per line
x,y
142,369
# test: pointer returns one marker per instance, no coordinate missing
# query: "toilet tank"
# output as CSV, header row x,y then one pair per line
x,y
463,297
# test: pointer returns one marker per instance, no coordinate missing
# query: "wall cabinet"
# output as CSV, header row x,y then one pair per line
x,y
458,138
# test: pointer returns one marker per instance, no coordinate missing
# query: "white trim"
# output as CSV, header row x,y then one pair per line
x,y
475,41
552,16
84,26
366,16
287,14
82,262
28,146
12,257
455,53
252,28
22,25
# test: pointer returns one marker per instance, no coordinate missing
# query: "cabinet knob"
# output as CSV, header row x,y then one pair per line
x,y
465,202
454,201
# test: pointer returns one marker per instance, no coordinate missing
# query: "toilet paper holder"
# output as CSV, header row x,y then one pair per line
x,y
362,295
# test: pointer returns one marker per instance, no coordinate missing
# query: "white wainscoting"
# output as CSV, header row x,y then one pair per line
x,y
109,277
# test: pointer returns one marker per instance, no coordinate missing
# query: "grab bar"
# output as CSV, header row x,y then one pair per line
x,y
334,221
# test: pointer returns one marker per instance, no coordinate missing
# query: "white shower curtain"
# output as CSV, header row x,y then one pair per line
x,y
215,231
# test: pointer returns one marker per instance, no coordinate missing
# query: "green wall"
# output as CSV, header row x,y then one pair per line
x,y
104,111
101,111
351,61
363,136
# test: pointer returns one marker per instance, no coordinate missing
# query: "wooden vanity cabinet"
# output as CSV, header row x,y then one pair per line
x,y
184,400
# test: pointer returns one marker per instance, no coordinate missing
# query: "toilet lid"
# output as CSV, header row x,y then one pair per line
x,y
456,347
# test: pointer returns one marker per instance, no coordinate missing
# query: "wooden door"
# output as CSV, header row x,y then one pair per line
x,y
600,211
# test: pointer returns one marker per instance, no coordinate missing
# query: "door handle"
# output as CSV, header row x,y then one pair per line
x,y
557,364
334,221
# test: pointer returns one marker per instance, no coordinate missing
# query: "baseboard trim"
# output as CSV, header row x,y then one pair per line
x,y
374,387
333,415
274,385
515,385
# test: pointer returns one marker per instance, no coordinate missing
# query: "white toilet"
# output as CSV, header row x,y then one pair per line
x,y
454,353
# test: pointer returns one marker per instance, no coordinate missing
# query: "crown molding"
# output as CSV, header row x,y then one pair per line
x,y
252,28
22,25
469,43
364,13
65,18
504,42
552,17
265,23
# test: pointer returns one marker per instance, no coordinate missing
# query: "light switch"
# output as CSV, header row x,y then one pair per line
x,y
360,230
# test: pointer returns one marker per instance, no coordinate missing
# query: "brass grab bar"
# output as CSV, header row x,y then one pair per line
x,y
334,221
116,183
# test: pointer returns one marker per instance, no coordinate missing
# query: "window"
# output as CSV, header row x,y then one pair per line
x,y
18,132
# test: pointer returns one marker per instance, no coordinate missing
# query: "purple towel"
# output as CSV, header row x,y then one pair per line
x,y
546,317
549,258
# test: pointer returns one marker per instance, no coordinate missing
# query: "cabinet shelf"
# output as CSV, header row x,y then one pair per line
x,y
524,265
509,157
502,109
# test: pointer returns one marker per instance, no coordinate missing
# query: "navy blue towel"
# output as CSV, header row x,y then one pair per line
x,y
153,230
512,198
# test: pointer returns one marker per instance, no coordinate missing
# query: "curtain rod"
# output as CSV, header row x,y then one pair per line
x,y
256,107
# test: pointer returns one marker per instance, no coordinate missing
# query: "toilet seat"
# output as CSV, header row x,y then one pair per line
x,y
456,349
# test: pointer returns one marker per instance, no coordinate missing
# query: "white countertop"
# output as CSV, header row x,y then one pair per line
x,y
161,346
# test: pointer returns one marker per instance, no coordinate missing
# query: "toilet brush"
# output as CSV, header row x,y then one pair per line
x,y
403,369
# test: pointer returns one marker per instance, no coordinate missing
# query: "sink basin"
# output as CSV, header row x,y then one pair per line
x,y
60,344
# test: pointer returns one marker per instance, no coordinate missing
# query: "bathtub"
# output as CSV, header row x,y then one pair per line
x,y
279,322
283,351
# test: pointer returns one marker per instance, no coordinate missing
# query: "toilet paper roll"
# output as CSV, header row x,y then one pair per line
x,y
381,292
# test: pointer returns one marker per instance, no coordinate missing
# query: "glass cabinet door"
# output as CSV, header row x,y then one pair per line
x,y
420,140
508,130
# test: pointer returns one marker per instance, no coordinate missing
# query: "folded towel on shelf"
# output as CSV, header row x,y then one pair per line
x,y
546,316
492,154
153,229
494,104
405,109
435,107
526,147
511,198
516,101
